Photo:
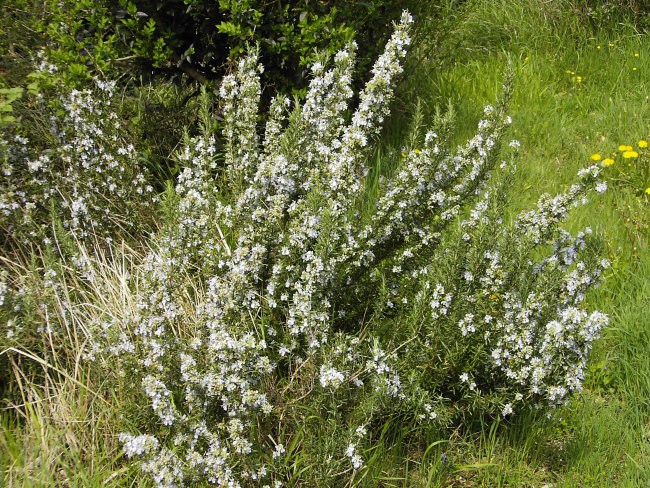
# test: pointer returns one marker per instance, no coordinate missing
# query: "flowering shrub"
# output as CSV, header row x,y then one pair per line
x,y
69,175
86,174
287,282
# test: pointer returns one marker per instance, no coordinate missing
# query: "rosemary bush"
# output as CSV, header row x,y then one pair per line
x,y
70,175
290,277
74,164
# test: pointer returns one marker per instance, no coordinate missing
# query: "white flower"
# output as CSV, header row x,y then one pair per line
x,y
137,445
507,410
330,376
279,451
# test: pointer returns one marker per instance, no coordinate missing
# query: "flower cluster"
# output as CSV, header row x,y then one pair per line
x,y
628,166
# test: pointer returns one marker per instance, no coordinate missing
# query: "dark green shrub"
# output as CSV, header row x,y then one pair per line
x,y
198,37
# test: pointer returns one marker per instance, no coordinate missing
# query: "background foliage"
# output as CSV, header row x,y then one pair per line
x,y
198,37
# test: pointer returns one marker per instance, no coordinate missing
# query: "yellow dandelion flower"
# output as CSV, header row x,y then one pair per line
x,y
636,55
623,148
643,143
630,154
647,190
608,162
578,79
417,151
596,157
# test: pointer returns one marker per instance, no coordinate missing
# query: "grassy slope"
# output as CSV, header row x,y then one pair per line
x,y
602,438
